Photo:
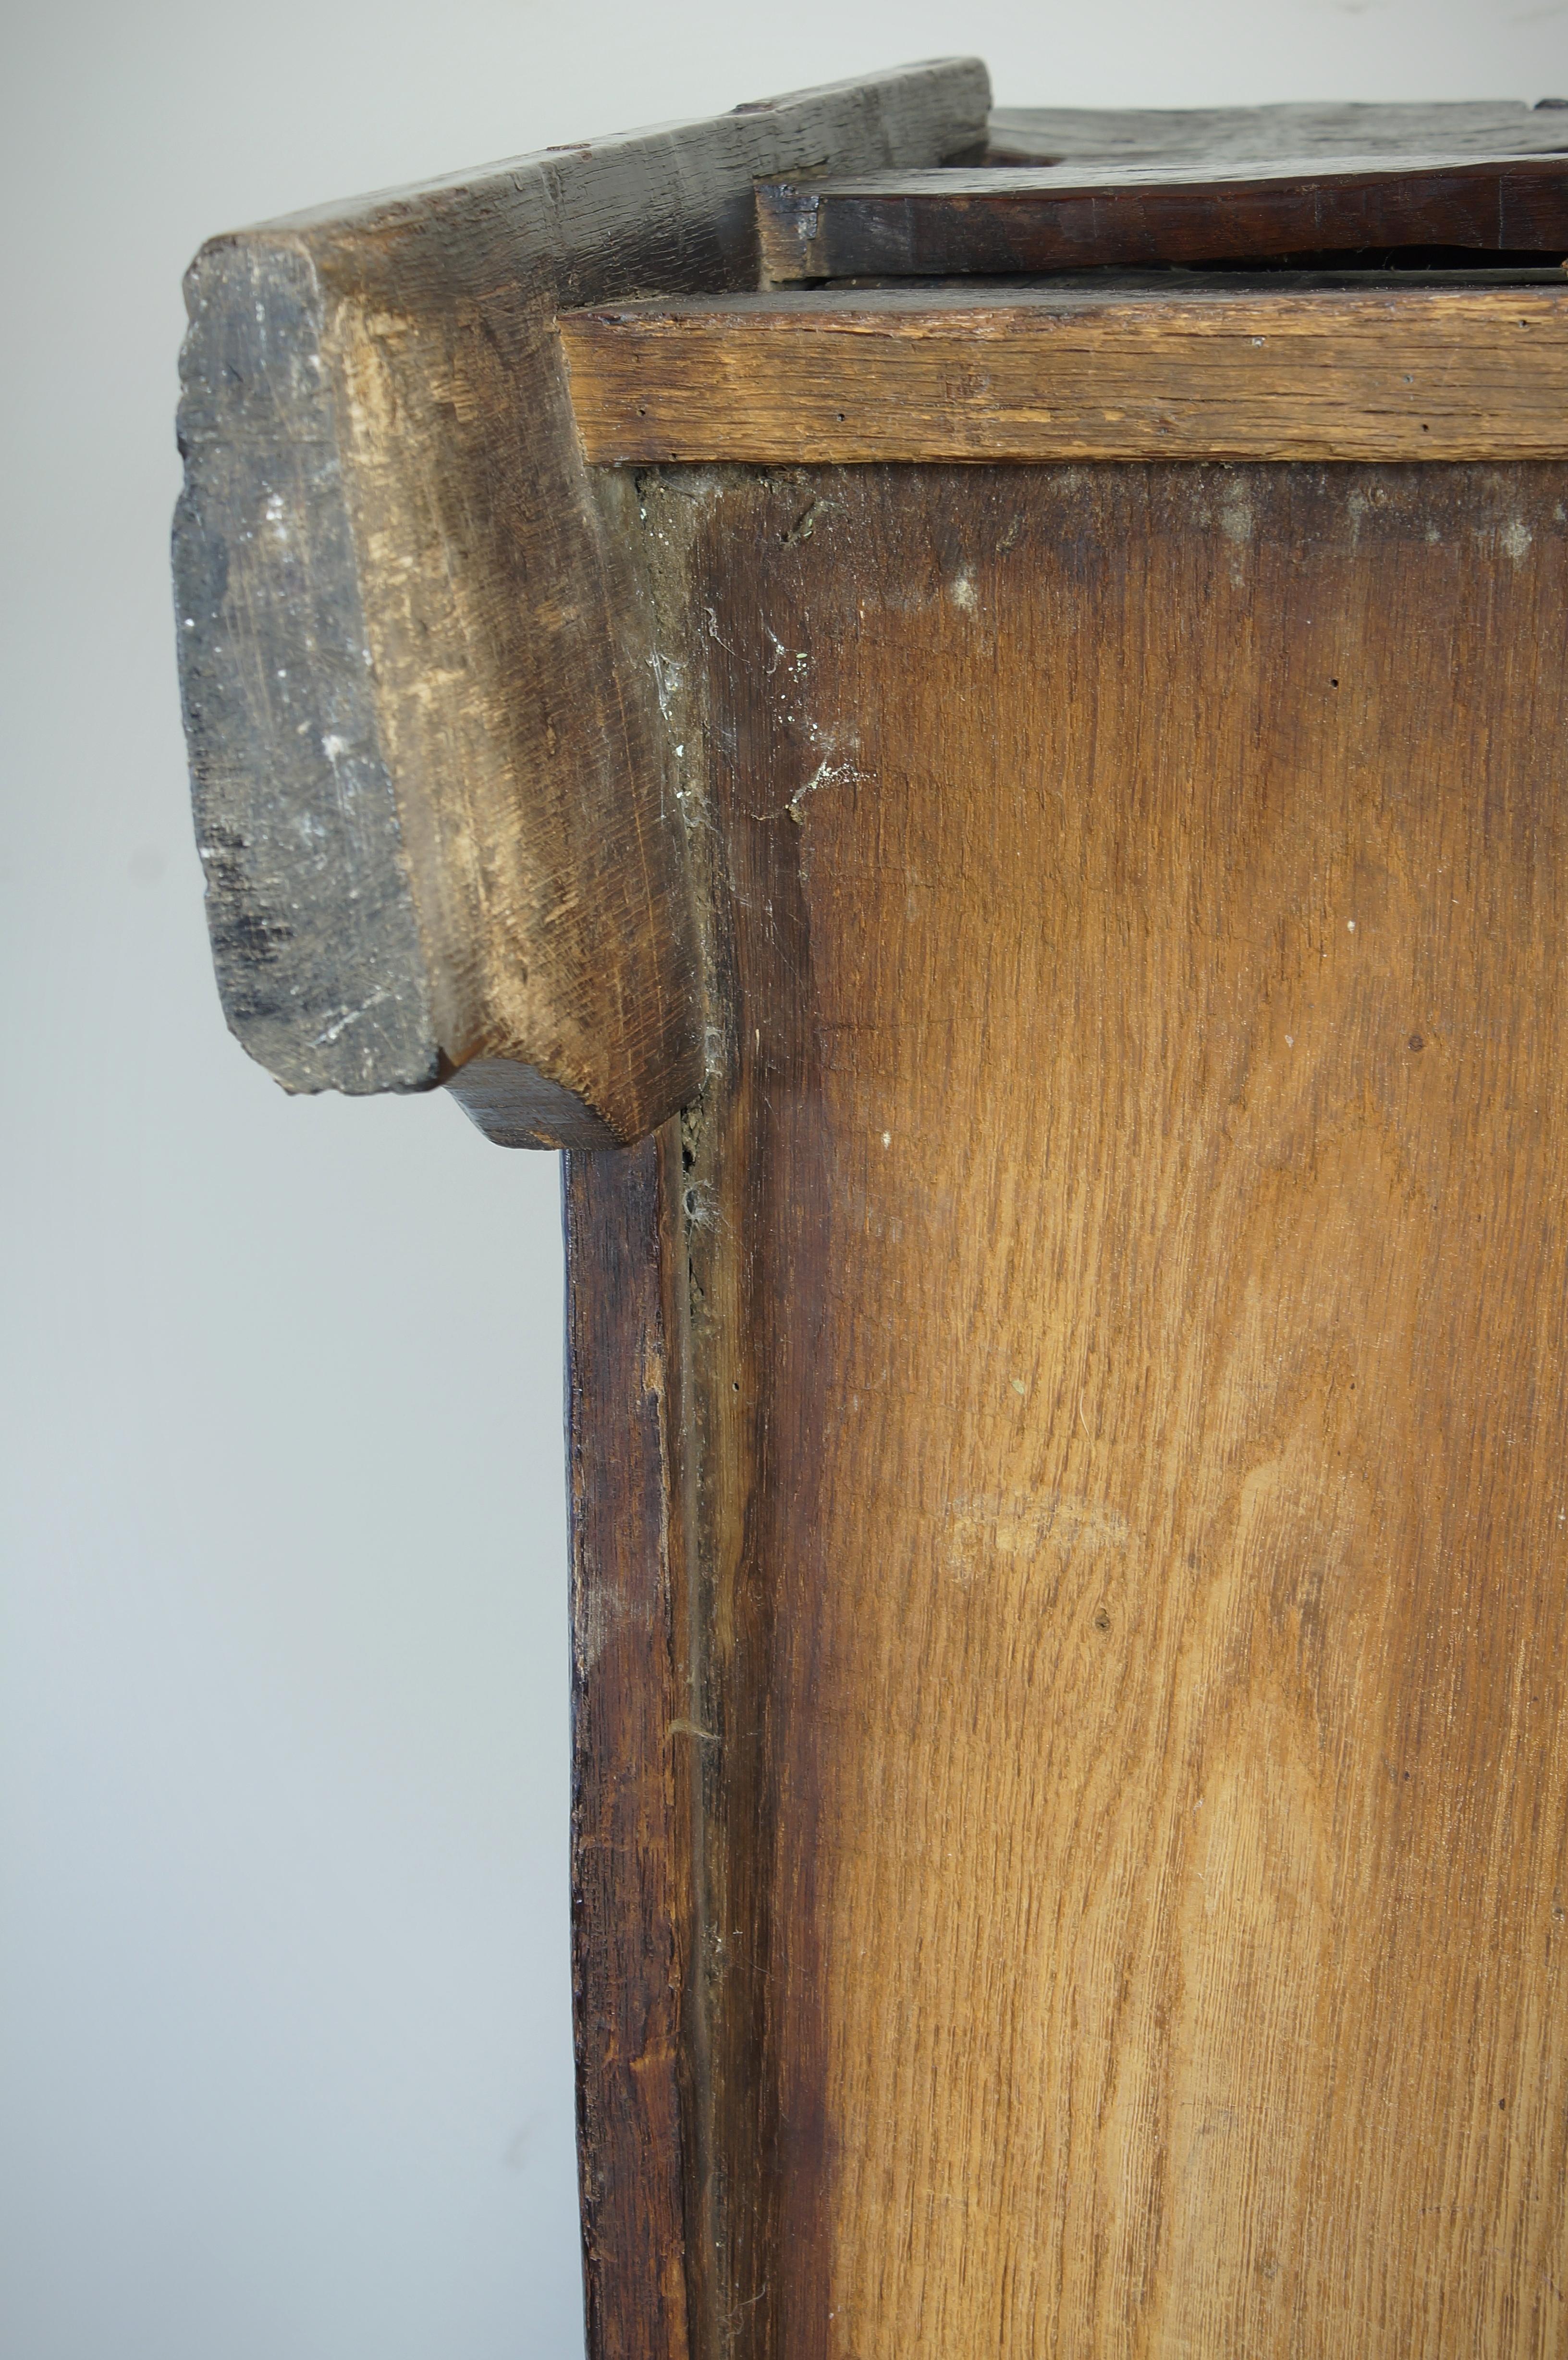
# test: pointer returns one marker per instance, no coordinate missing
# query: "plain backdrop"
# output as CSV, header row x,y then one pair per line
x,y
283,1663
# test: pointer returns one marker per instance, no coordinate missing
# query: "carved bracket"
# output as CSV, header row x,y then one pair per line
x,y
432,794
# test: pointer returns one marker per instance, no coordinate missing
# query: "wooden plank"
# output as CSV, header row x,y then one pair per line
x,y
1420,372
644,2272
1007,221
1126,1413
438,810
1216,135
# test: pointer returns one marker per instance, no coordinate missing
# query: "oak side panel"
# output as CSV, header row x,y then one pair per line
x,y
1216,371
1128,1283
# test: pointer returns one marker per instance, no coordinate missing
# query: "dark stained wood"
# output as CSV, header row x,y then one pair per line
x,y
1007,221
1226,371
1125,1413
1214,135
438,811
632,1734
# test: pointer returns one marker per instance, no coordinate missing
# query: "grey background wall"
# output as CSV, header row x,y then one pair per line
x,y
283,1971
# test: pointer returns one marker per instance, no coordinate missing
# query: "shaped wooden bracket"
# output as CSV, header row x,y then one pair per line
x,y
433,796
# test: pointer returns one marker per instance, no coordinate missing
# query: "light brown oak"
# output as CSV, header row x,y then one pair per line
x,y
1014,219
1216,136
1126,1417
847,375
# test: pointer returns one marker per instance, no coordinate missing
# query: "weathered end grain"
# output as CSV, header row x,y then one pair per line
x,y
1016,219
438,813
1208,372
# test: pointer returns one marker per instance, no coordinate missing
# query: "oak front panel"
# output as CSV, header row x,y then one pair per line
x,y
1124,1433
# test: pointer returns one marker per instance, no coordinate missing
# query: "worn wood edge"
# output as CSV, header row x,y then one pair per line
x,y
854,378
921,223
287,809
516,1106
645,2278
1295,128
1004,184
936,551
433,794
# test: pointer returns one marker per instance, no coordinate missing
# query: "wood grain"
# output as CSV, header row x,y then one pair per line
x,y
1214,135
438,811
1127,1410
631,1820
1020,373
1013,220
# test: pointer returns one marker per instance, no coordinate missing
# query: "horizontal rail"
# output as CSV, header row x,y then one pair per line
x,y
846,376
